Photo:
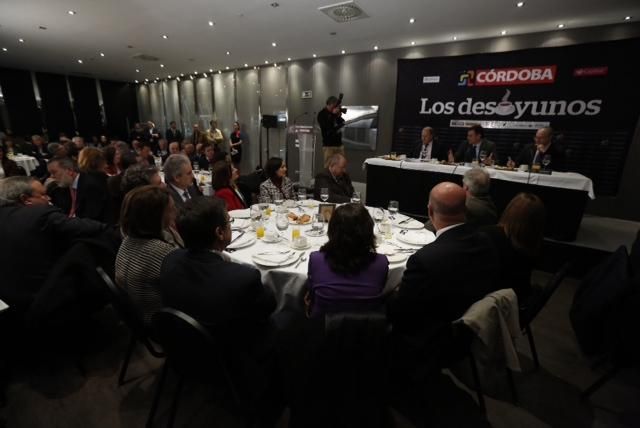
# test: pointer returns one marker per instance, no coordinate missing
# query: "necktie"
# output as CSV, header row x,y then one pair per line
x,y
477,151
186,195
74,197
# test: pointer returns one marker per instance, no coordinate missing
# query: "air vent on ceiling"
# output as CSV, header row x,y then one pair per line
x,y
343,12
144,57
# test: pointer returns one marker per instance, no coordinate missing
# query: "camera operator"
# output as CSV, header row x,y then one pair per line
x,y
331,123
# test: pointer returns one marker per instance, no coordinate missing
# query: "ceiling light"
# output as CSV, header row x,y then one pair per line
x,y
161,65
191,76
21,40
274,44
315,56
177,79
79,61
627,18
520,4
227,67
412,20
246,65
71,12
136,81
560,25
211,70
375,48
343,52
210,23
413,43
204,74
181,74
196,71
102,54
275,65
4,49
164,36
137,71
503,32
455,38
266,61
255,68
228,53
169,77
146,80
219,71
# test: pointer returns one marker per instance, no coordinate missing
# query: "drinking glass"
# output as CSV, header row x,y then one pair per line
x,y
158,161
317,226
282,222
394,206
295,233
259,225
483,156
378,215
355,199
256,213
546,160
302,194
196,167
324,194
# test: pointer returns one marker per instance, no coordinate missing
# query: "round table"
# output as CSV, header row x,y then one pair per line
x,y
289,281
28,163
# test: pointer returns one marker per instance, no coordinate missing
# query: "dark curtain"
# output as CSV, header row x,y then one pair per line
x,y
120,106
55,102
87,110
24,115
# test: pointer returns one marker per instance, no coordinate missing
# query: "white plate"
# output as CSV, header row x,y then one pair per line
x,y
240,223
306,247
420,238
296,222
240,213
262,262
271,240
412,224
244,241
310,203
397,258
315,234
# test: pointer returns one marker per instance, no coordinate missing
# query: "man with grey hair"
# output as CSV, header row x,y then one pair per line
x,y
178,175
427,148
479,207
336,179
78,142
543,147
31,226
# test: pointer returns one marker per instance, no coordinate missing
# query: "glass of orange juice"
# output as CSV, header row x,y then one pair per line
x,y
295,233
259,229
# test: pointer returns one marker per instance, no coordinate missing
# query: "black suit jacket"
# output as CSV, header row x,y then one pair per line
x,y
92,198
330,126
33,239
225,296
177,198
442,280
438,151
172,135
557,152
340,188
467,152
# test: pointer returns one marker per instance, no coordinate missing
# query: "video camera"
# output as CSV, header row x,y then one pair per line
x,y
342,109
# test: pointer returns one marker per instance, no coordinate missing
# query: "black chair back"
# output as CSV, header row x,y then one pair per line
x,y
530,309
634,257
124,305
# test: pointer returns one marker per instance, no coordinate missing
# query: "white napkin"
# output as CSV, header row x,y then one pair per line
x,y
273,257
240,213
240,223
240,241
415,237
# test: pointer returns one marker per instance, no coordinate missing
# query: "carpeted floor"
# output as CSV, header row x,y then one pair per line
x,y
79,388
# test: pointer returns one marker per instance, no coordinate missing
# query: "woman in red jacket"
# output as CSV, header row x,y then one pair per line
x,y
223,180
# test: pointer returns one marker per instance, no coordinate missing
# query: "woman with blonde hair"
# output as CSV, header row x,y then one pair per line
x,y
91,159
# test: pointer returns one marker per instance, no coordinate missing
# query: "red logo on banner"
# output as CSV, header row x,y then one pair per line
x,y
591,71
535,75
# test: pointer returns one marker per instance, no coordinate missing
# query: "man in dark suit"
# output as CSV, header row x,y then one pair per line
x,y
34,235
444,278
37,149
336,179
173,133
543,146
83,195
178,175
427,148
470,150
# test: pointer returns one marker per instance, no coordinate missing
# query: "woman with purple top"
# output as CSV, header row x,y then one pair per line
x,y
346,274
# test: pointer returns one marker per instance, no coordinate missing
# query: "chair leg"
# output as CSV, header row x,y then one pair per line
x,y
512,385
476,379
157,395
598,383
127,357
532,346
174,405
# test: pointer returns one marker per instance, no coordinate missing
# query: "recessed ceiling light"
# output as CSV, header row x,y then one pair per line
x,y
161,65
210,23
71,12
520,4
137,71
266,61
79,61
627,18
181,74
503,32
211,70
204,74
455,38
275,65
343,52
136,81
102,54
146,80
315,56
191,76
164,36
288,59
21,40
246,65
412,20
413,43
375,48
255,68
169,77
560,25
274,44
227,67
228,53
4,49
219,71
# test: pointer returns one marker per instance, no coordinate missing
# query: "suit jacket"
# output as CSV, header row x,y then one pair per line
x,y
177,197
480,210
438,151
43,233
172,135
441,281
331,128
92,200
340,188
555,150
231,198
225,296
467,152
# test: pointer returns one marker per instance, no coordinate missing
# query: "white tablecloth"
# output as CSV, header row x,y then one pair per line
x,y
562,180
29,163
288,282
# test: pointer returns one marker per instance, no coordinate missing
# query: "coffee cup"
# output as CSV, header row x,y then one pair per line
x,y
300,242
524,167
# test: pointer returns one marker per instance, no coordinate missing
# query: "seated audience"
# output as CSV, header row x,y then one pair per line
x,y
147,212
443,279
190,152
223,181
145,154
8,168
34,236
427,148
91,160
335,178
163,149
79,194
469,151
208,158
543,146
78,142
179,178
112,159
174,149
140,175
518,237
127,158
173,133
277,185
347,274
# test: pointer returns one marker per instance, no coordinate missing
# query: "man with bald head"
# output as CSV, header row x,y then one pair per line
x,y
336,179
444,278
543,146
427,148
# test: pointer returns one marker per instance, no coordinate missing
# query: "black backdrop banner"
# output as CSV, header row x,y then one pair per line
x,y
585,92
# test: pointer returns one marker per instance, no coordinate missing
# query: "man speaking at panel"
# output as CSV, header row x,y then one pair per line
x,y
427,148
475,148
543,151
331,123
